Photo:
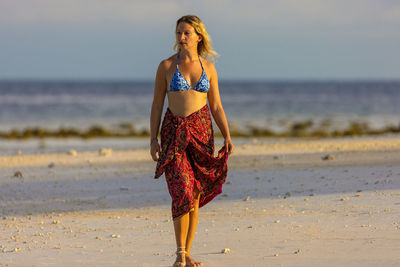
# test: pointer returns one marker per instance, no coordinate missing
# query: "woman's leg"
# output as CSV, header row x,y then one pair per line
x,y
193,219
181,229
182,177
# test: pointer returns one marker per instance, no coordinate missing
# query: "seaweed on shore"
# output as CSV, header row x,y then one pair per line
x,y
94,131
298,129
304,129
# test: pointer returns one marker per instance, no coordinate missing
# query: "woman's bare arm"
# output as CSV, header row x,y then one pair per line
x,y
217,110
160,89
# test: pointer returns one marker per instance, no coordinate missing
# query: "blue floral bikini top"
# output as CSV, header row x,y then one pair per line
x,y
179,83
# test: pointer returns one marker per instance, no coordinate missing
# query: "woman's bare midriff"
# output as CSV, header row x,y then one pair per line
x,y
187,102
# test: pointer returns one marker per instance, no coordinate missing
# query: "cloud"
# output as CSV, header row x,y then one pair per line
x,y
279,35
309,12
24,12
255,11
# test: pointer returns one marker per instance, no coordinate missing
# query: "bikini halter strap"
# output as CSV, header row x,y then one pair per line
x,y
177,62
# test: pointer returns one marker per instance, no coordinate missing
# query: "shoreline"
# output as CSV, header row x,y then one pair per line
x,y
71,154
302,129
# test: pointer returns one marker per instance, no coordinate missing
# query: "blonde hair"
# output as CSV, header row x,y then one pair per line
x,y
204,47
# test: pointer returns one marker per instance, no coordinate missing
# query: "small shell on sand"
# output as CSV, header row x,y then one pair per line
x,y
105,152
276,254
297,251
18,174
327,157
115,236
225,250
73,153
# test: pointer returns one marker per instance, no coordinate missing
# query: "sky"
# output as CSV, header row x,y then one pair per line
x,y
256,39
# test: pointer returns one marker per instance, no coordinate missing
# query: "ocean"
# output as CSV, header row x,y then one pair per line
x,y
275,105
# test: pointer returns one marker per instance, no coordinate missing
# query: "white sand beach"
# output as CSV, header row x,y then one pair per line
x,y
286,202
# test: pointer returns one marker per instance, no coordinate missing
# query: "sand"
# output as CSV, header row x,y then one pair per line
x,y
287,202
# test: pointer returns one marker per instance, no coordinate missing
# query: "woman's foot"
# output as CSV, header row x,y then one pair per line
x,y
192,263
180,259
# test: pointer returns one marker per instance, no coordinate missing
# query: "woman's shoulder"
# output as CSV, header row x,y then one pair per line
x,y
208,65
168,62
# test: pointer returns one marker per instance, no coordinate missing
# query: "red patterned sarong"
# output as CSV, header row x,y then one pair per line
x,y
187,159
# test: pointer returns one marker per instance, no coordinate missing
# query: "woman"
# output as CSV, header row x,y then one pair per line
x,y
194,176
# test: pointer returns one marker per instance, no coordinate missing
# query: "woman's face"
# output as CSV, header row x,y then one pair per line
x,y
186,36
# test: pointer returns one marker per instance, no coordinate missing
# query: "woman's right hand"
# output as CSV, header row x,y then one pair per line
x,y
154,149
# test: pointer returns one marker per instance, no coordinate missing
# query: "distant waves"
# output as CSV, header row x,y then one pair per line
x,y
283,108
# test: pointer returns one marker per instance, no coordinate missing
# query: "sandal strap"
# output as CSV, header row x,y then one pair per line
x,y
180,251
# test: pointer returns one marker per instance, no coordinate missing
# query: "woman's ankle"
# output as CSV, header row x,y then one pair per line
x,y
181,251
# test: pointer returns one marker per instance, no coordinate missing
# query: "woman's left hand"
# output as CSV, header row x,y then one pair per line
x,y
229,146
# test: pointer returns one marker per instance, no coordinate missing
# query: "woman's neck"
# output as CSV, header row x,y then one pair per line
x,y
190,55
